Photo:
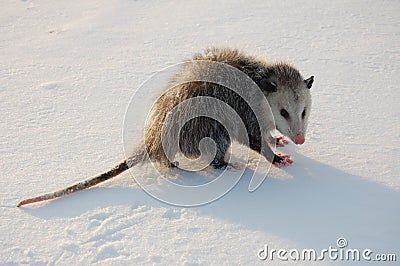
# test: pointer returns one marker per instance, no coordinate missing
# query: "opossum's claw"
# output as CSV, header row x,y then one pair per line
x,y
281,160
281,141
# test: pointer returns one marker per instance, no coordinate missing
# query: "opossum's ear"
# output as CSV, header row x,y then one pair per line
x,y
266,85
309,82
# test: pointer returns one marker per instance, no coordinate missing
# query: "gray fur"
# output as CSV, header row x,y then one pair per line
x,y
286,89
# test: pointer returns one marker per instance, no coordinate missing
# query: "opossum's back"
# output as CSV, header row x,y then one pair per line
x,y
178,94
180,89
229,56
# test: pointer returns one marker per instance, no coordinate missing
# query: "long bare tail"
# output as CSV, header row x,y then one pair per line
x,y
123,166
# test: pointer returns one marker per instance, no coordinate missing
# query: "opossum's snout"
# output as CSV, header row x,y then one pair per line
x,y
291,125
299,139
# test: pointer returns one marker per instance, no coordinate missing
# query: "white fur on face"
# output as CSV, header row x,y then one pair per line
x,y
294,101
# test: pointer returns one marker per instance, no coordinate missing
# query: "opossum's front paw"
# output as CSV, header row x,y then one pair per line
x,y
281,160
281,141
236,166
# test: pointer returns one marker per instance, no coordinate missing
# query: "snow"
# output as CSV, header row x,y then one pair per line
x,y
69,68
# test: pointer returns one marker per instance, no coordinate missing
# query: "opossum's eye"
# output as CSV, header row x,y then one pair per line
x,y
285,114
303,114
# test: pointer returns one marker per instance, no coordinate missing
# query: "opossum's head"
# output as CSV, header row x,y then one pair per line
x,y
289,97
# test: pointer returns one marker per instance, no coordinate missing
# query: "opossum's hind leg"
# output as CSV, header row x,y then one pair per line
x,y
219,164
222,141
222,148
199,129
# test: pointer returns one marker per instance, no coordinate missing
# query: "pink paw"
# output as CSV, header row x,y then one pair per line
x,y
236,166
285,162
281,141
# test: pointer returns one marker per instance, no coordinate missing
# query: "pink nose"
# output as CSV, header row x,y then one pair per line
x,y
299,139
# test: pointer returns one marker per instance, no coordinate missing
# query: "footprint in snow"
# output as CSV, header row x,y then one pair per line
x,y
51,85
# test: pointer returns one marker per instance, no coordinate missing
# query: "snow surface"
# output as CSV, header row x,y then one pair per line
x,y
69,68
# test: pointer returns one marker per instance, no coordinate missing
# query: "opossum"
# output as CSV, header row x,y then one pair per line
x,y
286,91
